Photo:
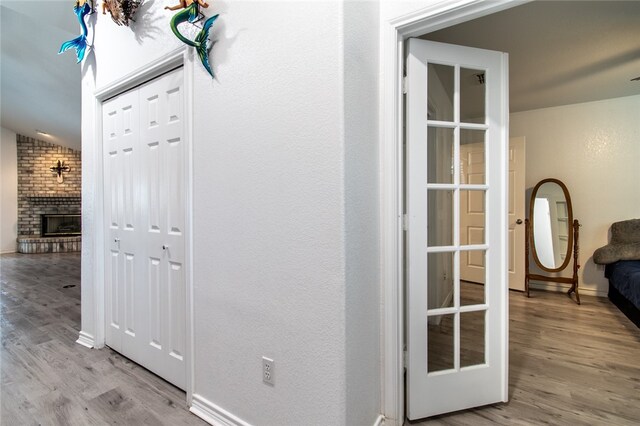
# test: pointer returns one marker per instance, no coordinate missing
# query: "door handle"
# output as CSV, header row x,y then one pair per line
x,y
165,247
116,240
519,222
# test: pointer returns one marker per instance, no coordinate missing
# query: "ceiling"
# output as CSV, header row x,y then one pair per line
x,y
39,89
559,53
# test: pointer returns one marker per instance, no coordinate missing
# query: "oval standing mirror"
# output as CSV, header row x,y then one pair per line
x,y
551,218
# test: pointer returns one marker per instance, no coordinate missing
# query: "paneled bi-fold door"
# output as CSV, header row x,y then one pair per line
x,y
145,209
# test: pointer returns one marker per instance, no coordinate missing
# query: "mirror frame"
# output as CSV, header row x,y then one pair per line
x,y
567,197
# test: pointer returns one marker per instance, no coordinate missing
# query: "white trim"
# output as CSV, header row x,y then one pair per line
x,y
393,33
379,421
562,288
391,232
188,74
213,414
505,227
504,248
146,73
99,228
8,251
172,60
85,339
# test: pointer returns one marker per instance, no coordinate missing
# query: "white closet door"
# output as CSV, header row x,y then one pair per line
x,y
163,223
122,269
145,175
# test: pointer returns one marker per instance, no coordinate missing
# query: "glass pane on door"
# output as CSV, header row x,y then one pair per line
x,y
472,157
473,292
440,217
472,96
440,276
472,217
440,343
440,86
440,150
472,338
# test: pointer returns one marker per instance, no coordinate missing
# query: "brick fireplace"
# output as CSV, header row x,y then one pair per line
x,y
40,194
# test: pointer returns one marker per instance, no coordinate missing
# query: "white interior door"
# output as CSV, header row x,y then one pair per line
x,y
122,269
164,212
516,212
472,211
460,360
472,217
145,206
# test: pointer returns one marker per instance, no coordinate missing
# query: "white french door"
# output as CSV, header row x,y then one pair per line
x,y
457,342
145,209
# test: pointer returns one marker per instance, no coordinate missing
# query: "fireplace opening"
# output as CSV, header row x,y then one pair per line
x,y
55,225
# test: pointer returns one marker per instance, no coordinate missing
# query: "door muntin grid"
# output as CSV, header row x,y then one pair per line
x,y
448,318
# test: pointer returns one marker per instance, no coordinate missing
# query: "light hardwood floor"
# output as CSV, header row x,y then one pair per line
x,y
48,379
569,364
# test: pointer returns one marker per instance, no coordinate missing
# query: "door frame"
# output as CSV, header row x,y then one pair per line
x,y
393,33
179,58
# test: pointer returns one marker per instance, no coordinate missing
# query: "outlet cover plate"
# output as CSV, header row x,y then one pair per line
x,y
268,371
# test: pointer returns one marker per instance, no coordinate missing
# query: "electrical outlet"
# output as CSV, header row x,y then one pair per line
x,y
268,371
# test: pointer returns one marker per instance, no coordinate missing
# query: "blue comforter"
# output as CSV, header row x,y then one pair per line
x,y
625,277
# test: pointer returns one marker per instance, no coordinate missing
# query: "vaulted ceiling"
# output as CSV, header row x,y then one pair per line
x,y
39,89
561,52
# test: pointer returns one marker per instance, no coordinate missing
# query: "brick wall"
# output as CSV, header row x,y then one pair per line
x,y
38,191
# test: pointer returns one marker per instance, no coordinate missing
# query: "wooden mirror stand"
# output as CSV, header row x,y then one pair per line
x,y
548,222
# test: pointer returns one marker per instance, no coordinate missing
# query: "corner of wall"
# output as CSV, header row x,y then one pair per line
x,y
361,204
90,265
8,191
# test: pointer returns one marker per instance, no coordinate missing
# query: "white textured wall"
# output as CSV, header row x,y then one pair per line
x,y
268,217
362,225
594,148
285,204
8,191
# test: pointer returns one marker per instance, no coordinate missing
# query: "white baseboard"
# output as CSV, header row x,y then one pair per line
x,y
217,416
8,251
213,414
85,339
561,287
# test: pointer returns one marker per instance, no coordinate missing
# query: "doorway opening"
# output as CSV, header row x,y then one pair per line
x,y
438,24
393,219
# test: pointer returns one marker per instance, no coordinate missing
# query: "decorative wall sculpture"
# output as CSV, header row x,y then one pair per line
x,y
191,13
121,11
81,9
58,169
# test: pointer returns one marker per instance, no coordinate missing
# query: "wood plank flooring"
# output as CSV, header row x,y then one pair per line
x,y
48,379
569,364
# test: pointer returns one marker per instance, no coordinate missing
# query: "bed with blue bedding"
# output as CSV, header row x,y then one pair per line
x,y
624,287
622,259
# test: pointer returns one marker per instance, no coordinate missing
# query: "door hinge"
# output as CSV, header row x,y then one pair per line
x,y
405,222
404,359
404,85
